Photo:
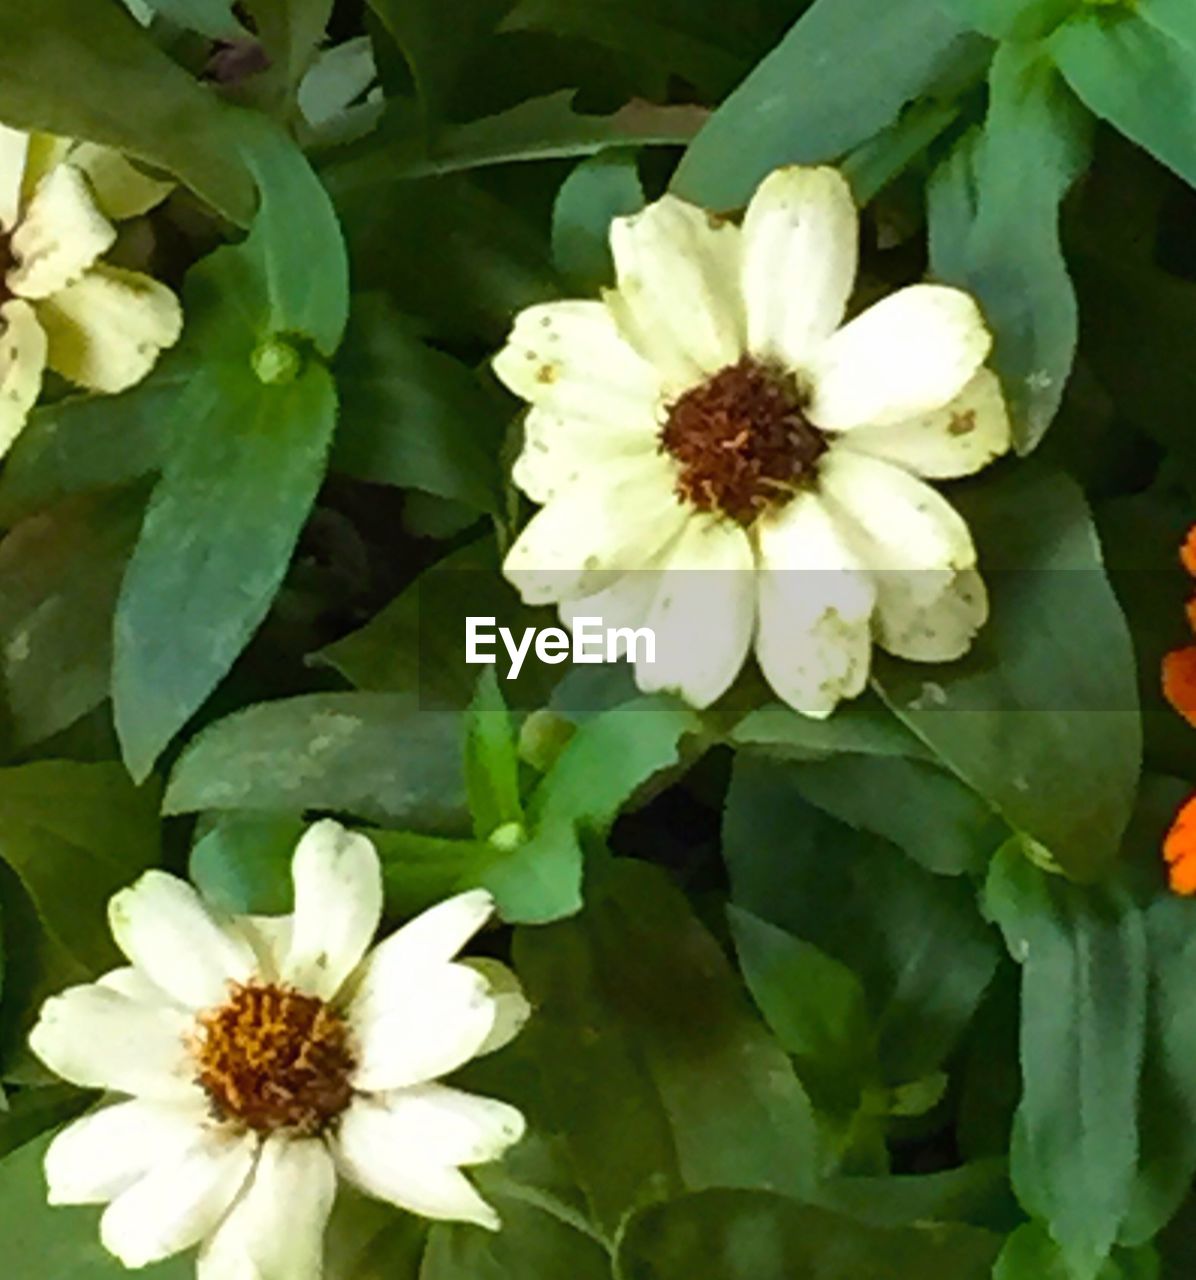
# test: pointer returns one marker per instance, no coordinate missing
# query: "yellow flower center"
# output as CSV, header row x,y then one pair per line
x,y
273,1058
743,441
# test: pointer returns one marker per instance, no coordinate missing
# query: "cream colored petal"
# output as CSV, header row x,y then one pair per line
x,y
131,982
61,233
560,453
421,1029
121,189
270,938
101,1039
180,1201
22,363
569,359
703,613
162,925
275,1231
511,1007
623,600
46,152
102,1155
14,147
813,639
678,298
908,524
108,329
800,255
402,1176
910,354
937,631
338,904
441,1126
570,547
957,440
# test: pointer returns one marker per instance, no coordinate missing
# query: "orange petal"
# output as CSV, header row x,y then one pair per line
x,y
1179,682
1190,610
1179,849
1187,553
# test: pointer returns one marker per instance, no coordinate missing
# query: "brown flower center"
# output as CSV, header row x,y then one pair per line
x,y
743,441
6,264
274,1058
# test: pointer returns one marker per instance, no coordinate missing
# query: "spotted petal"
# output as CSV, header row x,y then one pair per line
x,y
22,363
14,147
60,235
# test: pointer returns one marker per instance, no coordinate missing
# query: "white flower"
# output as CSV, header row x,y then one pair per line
x,y
264,1055
722,459
99,326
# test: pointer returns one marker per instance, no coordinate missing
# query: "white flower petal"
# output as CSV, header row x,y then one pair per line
x,y
678,298
162,925
338,904
441,1126
560,453
131,982
589,530
14,147
121,190
511,1007
570,359
957,440
270,938
422,1028
46,152
910,354
101,1039
275,1231
22,363
800,254
102,1155
61,233
939,631
908,526
180,1201
108,329
813,640
366,1156
703,613
623,603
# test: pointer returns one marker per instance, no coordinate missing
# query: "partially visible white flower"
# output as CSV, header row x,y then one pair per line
x,y
99,326
262,1056
719,457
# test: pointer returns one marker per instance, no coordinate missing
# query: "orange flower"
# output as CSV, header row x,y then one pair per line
x,y
1187,553
1179,682
1179,849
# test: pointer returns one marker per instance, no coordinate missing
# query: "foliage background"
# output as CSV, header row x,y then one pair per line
x,y
894,995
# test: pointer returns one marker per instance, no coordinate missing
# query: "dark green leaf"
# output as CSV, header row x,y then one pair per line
x,y
419,871
994,230
243,864
844,72
212,18
865,727
598,190
86,70
655,1071
977,1193
1084,984
1036,719
375,755
1031,1254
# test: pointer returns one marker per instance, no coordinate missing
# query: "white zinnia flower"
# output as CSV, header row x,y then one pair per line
x,y
99,326
714,413
264,1055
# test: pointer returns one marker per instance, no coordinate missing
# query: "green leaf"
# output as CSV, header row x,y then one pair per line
x,y
605,187
1138,76
864,727
1031,1254
43,1241
32,1111
653,1069
211,18
814,1005
59,578
1012,19
491,760
291,33
844,71
87,70
605,762
994,230
75,834
1084,988
412,416
874,164
374,755
746,1235
242,865
418,871
1036,719
976,1193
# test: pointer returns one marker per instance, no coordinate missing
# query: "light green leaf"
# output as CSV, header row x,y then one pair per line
x,y
1084,989
843,72
211,18
598,190
418,871
1012,19
1037,720
656,1073
242,865
87,70
1031,1254
491,760
994,229
374,755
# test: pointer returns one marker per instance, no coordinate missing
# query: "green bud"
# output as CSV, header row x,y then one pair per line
x,y
276,362
543,737
508,837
